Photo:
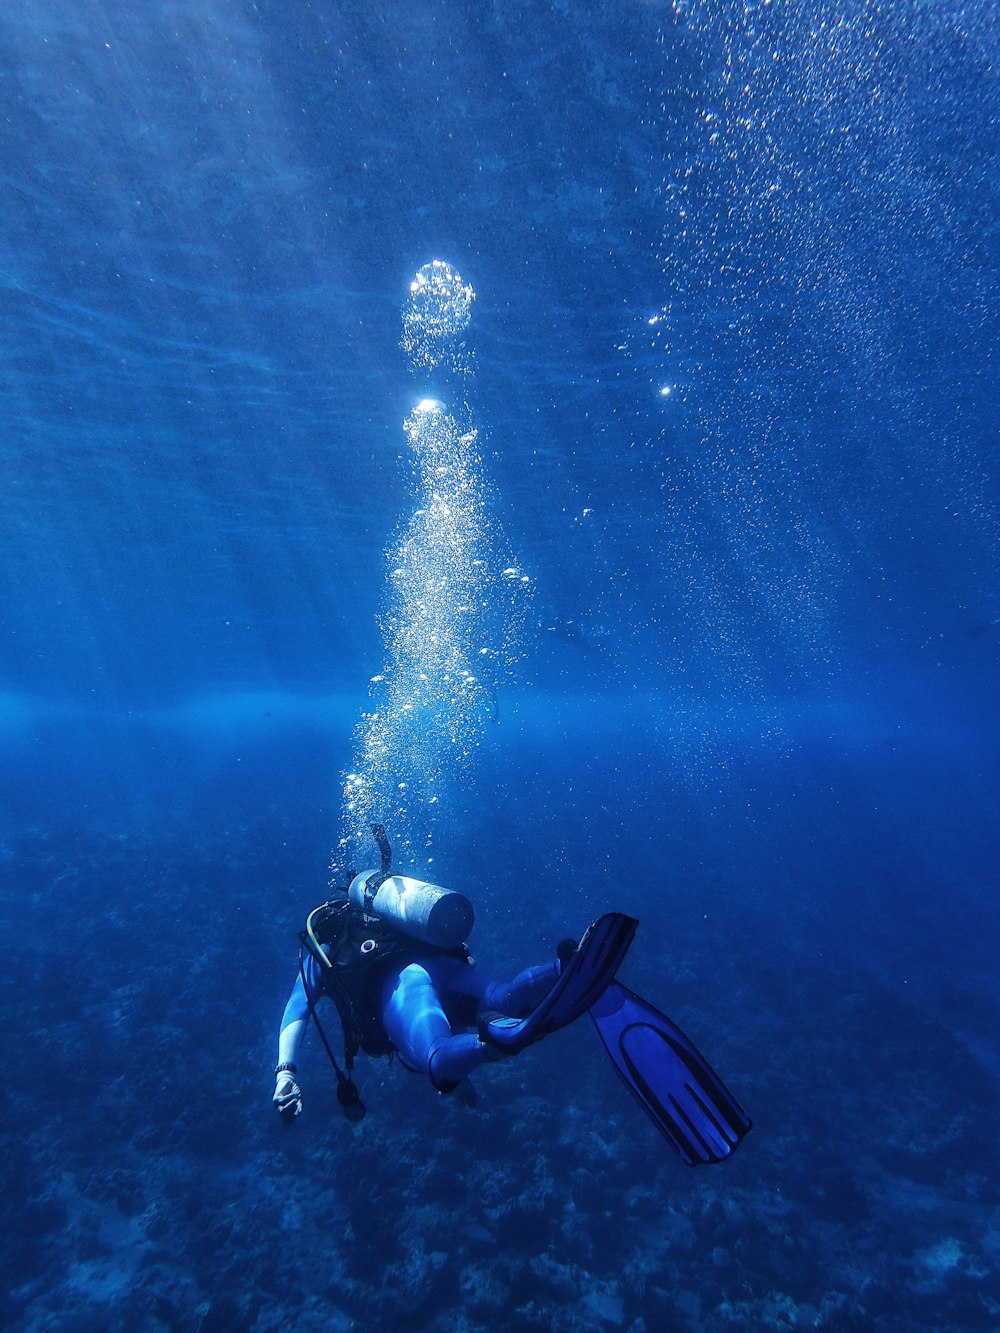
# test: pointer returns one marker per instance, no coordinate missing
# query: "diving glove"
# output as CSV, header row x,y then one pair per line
x,y
287,1096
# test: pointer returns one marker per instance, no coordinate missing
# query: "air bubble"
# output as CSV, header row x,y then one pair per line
x,y
437,315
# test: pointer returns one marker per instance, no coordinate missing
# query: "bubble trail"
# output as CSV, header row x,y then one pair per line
x,y
447,615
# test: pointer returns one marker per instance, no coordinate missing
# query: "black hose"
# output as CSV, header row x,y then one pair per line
x,y
347,1091
384,850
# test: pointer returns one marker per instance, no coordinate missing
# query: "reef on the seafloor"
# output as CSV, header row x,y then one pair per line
x,y
149,1185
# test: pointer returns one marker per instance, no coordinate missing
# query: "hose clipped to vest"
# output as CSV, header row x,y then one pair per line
x,y
347,1091
348,1095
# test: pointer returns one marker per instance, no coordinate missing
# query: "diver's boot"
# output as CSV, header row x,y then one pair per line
x,y
454,1058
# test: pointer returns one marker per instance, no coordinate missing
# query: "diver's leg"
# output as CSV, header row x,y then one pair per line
x,y
517,997
418,1027
586,972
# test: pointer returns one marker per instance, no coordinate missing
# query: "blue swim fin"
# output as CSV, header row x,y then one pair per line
x,y
589,970
669,1078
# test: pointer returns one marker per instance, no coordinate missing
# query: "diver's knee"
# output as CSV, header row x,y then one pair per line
x,y
441,1083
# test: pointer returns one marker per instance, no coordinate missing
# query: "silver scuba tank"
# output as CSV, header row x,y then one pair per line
x,y
424,911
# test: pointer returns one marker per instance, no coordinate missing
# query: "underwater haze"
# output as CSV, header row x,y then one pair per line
x,y
567,433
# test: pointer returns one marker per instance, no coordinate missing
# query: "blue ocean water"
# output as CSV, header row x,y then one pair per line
x,y
732,377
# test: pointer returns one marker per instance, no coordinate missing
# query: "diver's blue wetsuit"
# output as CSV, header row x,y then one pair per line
x,y
445,1019
426,1003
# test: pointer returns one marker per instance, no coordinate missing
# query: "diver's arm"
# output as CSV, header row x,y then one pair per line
x,y
288,1041
293,1021
287,1093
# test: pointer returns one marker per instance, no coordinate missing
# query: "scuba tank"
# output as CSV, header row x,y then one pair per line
x,y
423,911
426,912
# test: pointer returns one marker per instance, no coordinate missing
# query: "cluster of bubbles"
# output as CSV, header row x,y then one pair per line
x,y
447,619
436,317
820,210
808,221
769,259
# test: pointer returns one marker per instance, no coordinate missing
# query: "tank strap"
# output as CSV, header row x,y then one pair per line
x,y
372,885
374,882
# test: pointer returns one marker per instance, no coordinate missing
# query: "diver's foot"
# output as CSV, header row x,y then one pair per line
x,y
565,950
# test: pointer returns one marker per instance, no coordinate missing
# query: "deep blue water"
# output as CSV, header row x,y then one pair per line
x,y
734,380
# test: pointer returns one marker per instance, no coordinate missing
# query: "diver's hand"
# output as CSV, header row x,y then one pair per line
x,y
287,1096
565,951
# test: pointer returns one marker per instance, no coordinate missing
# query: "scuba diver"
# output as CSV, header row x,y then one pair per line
x,y
389,952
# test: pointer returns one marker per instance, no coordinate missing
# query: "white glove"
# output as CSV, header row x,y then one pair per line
x,y
287,1096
